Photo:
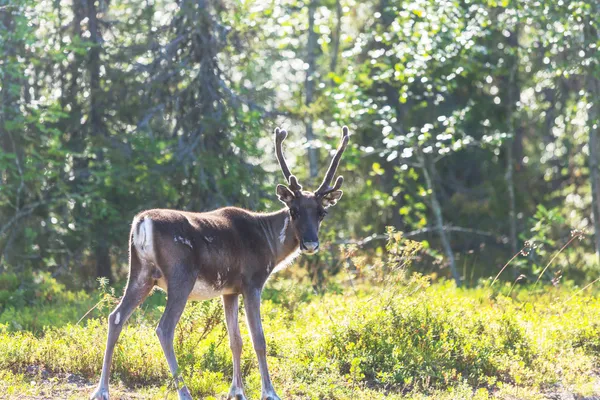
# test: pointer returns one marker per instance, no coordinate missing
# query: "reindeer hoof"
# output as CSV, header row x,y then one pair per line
x,y
100,394
236,393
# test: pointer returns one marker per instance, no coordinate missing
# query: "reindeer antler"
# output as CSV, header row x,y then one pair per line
x,y
325,188
280,135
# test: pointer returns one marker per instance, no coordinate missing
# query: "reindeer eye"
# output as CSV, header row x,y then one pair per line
x,y
293,213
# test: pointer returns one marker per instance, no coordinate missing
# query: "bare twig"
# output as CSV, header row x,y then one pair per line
x,y
23,212
90,310
515,282
506,265
363,241
579,291
574,235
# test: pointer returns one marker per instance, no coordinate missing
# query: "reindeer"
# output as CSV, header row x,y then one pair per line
x,y
225,252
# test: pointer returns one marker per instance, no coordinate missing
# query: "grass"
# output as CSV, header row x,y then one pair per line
x,y
374,334
410,340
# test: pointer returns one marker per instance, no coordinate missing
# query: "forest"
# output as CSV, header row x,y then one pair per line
x,y
461,261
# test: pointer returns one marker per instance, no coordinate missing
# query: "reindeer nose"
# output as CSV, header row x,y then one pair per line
x,y
311,247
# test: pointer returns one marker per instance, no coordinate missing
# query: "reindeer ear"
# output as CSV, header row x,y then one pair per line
x,y
331,198
285,195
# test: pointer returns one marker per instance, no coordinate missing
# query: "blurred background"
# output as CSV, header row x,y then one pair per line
x,y
474,127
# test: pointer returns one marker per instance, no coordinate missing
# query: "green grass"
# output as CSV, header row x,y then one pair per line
x,y
406,340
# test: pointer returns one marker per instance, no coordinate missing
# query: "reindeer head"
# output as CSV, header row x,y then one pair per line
x,y
307,209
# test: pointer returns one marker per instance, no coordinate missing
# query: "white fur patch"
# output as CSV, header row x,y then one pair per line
x,y
143,239
204,291
327,202
283,230
118,318
185,241
287,261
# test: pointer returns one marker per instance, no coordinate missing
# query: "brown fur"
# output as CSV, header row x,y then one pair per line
x,y
203,242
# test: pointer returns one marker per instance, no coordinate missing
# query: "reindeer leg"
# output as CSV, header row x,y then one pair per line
x,y
252,302
230,304
138,287
179,287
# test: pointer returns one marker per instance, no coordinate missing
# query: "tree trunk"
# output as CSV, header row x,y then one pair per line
x,y
97,131
592,35
12,82
594,91
510,185
102,256
336,38
428,172
310,87
514,95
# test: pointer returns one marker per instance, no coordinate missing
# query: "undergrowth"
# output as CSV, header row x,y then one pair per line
x,y
376,334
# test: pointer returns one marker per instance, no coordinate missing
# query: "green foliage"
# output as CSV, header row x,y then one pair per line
x,y
109,108
381,334
32,301
100,121
418,339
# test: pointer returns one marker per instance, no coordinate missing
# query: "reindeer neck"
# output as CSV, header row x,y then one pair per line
x,y
279,233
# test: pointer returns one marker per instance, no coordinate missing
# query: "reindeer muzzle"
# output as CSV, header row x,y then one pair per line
x,y
309,247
